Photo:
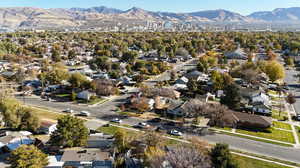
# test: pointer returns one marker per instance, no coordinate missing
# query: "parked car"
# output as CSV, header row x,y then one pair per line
x,y
155,120
116,120
297,117
160,129
175,133
68,110
142,125
84,113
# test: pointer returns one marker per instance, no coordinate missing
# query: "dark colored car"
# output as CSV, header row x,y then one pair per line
x,y
155,120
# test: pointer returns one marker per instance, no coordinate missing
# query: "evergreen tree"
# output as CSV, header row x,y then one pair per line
x,y
71,132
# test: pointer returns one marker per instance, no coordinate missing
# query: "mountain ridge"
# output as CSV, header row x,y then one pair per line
x,y
33,17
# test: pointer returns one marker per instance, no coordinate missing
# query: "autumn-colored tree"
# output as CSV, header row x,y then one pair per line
x,y
28,156
274,70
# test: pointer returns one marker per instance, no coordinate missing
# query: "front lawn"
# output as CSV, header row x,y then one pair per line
x,y
272,133
282,125
283,115
45,113
245,162
92,101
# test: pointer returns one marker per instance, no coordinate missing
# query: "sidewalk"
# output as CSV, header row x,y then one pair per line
x,y
290,109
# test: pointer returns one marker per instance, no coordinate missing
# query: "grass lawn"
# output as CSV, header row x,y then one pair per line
x,y
46,114
282,116
256,139
282,125
96,101
92,102
298,131
272,92
63,95
111,130
274,134
245,162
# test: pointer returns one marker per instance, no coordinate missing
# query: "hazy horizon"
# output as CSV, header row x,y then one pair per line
x,y
244,7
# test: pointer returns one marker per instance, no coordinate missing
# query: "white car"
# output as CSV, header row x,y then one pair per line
x,y
116,120
142,125
85,113
68,110
175,133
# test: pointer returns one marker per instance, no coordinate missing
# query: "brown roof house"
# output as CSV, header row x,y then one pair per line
x,y
163,92
246,120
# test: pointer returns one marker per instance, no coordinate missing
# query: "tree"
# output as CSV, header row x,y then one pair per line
x,y
56,55
57,75
17,116
130,56
122,141
221,157
232,97
274,70
71,132
220,80
173,75
291,99
289,62
77,80
28,156
72,54
187,157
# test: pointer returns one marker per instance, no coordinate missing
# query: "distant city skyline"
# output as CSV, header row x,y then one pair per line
x,y
244,7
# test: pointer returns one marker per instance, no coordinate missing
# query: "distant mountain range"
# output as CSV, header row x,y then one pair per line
x,y
29,17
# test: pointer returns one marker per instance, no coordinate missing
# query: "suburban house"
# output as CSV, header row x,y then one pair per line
x,y
77,158
100,140
237,54
260,103
47,128
10,141
196,75
163,92
245,120
85,95
174,108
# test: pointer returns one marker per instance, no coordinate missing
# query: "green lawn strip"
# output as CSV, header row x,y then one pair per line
x,y
130,114
282,125
92,102
256,139
225,128
274,134
97,101
267,158
245,162
272,92
63,95
298,131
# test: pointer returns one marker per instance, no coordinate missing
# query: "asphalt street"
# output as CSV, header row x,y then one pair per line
x,y
292,80
107,111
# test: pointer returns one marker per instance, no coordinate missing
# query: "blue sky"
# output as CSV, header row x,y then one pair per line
x,y
241,6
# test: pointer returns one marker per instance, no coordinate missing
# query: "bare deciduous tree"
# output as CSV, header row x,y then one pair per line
x,y
187,157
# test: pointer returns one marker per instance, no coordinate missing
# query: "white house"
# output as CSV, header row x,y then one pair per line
x,y
85,95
